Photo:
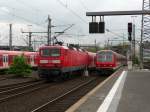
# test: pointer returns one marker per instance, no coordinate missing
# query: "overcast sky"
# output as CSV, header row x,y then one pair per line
x,y
22,13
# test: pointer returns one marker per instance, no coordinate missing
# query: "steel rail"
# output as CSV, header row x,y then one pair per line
x,y
63,95
23,93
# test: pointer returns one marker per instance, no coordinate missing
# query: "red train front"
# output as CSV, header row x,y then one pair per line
x,y
108,60
56,60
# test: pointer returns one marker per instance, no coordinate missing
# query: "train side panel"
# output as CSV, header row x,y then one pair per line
x,y
91,60
6,57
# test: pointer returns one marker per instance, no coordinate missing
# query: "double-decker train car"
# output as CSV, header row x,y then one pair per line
x,y
54,61
6,58
32,58
108,60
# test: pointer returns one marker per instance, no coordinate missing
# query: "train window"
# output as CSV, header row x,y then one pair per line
x,y
32,58
6,58
0,58
3,59
50,52
105,57
55,52
10,58
45,52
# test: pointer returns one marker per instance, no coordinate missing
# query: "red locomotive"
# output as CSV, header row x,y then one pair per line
x,y
6,58
54,61
108,60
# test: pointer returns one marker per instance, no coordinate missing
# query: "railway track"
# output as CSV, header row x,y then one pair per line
x,y
4,77
21,90
33,99
1,79
7,87
146,65
64,101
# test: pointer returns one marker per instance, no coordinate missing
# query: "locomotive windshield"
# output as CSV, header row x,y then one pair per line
x,y
104,57
50,52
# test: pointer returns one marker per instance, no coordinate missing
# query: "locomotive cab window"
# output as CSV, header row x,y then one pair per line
x,y
50,52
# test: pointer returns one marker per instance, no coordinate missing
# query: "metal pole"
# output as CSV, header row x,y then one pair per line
x,y
30,45
95,45
49,31
141,41
10,37
108,44
133,41
123,44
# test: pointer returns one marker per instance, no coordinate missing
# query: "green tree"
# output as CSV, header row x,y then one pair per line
x,y
20,67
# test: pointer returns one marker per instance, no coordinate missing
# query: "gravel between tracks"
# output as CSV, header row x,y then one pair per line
x,y
9,79
21,89
62,103
30,101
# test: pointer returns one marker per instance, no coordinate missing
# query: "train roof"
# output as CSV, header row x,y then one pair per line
x,y
63,47
111,51
104,50
56,46
15,52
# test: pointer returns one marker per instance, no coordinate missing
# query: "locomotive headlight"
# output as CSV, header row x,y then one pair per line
x,y
43,61
56,61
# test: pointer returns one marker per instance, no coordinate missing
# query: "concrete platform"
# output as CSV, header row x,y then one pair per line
x,y
127,91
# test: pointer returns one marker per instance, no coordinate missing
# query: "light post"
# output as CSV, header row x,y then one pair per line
x,y
133,35
30,35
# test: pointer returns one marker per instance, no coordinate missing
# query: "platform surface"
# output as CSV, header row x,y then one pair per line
x,y
125,92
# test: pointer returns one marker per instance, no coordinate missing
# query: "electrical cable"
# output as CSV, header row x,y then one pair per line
x,y
84,6
22,18
73,12
36,9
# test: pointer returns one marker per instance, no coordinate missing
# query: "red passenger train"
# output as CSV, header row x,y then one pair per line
x,y
54,61
6,58
108,60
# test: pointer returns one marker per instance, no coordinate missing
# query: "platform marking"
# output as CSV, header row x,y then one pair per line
x,y
107,101
115,102
74,107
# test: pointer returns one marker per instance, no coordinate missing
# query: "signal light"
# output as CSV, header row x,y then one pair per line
x,y
129,31
130,27
93,27
101,27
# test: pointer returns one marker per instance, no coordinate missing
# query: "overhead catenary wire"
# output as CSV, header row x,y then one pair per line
x,y
22,18
73,12
84,6
37,9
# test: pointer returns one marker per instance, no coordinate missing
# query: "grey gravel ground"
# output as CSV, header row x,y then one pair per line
x,y
27,102
13,80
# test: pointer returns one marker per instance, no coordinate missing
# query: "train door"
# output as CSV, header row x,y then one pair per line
x,y
32,60
1,61
5,60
